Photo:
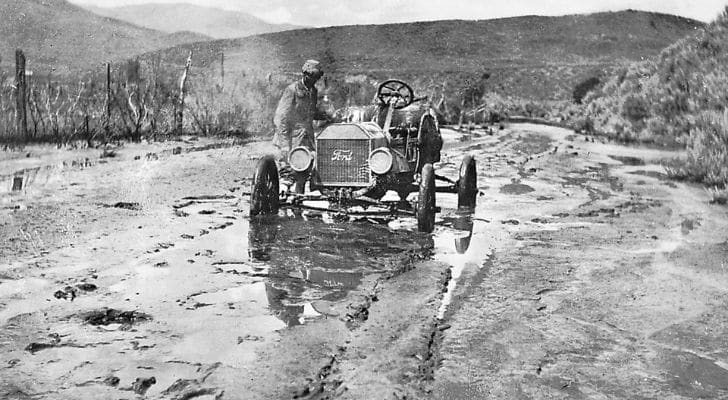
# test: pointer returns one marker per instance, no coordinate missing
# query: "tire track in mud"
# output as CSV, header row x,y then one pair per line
x,y
328,381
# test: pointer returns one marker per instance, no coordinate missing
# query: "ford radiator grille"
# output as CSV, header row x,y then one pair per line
x,y
343,162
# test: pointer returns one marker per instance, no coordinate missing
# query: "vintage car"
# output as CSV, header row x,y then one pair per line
x,y
390,146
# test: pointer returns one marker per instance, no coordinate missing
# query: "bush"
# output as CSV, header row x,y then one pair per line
x,y
584,87
707,159
635,109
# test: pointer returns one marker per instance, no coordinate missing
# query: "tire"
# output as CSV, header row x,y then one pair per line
x,y
264,193
426,201
467,184
430,141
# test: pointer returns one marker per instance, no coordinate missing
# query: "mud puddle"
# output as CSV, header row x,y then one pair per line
x,y
628,160
516,189
313,260
296,266
453,246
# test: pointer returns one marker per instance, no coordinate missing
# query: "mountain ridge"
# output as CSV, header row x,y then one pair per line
x,y
524,53
59,37
209,21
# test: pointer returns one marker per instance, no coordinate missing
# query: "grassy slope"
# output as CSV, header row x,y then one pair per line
x,y
535,57
208,21
61,37
681,95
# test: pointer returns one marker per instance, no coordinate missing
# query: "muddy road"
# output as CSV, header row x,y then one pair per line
x,y
583,273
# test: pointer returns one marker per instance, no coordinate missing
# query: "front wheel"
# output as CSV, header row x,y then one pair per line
x,y
426,200
264,194
467,184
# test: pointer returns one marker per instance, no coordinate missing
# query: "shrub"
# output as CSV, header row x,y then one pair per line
x,y
707,158
635,109
584,87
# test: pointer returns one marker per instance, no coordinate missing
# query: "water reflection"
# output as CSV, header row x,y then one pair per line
x,y
309,259
468,254
464,224
290,314
21,180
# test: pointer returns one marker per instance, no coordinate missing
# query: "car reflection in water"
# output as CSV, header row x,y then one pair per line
x,y
464,224
311,260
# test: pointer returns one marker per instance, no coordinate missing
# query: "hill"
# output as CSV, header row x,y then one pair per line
x,y
680,95
530,56
59,37
212,22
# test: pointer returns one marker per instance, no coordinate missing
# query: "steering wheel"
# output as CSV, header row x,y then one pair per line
x,y
395,92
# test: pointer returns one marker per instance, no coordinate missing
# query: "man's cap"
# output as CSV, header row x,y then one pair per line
x,y
312,67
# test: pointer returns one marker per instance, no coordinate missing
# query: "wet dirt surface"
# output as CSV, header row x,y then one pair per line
x,y
582,273
516,188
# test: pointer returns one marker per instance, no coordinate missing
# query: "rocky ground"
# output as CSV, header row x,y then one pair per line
x,y
584,273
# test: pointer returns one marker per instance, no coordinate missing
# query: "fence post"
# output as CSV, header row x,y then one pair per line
x,y
20,95
108,100
222,71
179,115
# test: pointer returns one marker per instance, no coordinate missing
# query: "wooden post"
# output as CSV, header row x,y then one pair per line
x,y
462,112
20,95
179,115
222,71
108,100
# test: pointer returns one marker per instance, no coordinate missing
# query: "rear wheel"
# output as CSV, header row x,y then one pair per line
x,y
426,200
468,183
264,194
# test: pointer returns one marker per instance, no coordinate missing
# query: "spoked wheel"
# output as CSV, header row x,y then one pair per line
x,y
467,184
264,196
426,200
395,92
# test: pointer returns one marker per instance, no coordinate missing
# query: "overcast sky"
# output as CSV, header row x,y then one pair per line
x,y
347,12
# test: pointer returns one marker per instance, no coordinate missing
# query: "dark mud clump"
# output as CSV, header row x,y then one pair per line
x,y
193,388
70,292
141,385
36,347
87,287
125,206
111,316
516,188
67,293
112,381
626,160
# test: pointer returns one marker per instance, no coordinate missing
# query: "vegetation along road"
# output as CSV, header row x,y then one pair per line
x,y
584,273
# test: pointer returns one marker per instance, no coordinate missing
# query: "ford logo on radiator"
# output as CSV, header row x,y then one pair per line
x,y
342,155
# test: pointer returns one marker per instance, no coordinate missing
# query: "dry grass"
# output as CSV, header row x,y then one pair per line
x,y
142,103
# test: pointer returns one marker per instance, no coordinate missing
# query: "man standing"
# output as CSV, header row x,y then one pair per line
x,y
296,111
293,120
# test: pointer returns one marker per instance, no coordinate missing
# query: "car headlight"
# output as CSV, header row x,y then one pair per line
x,y
380,161
300,159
